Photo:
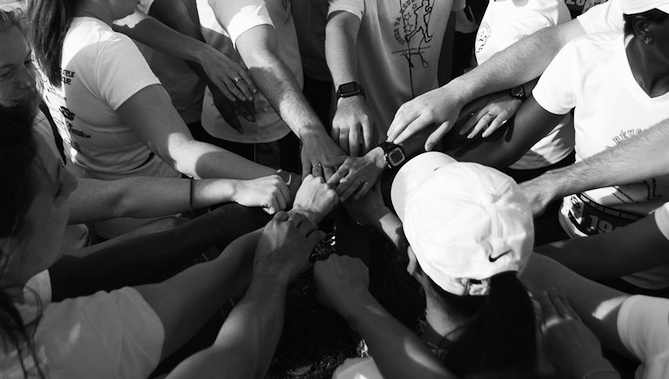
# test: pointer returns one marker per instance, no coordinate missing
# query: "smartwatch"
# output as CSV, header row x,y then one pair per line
x,y
518,92
393,154
350,89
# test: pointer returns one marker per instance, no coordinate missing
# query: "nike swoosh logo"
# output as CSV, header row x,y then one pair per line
x,y
493,260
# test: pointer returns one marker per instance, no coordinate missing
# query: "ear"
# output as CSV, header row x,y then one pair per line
x,y
642,29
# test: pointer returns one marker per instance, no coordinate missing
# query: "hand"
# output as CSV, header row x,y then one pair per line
x,y
269,192
314,199
284,246
368,209
338,278
320,154
486,114
433,107
358,174
228,76
571,347
353,125
539,192
229,109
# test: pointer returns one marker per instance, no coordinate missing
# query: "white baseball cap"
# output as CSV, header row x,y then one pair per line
x,y
639,6
465,222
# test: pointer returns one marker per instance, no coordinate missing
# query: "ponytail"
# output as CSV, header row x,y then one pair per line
x,y
497,337
48,22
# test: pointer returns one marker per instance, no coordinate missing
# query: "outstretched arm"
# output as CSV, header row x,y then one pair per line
x,y
150,258
518,64
634,160
398,353
353,124
144,197
636,247
258,47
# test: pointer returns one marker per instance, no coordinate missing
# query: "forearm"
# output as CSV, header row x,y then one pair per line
x,y
632,248
145,197
146,259
517,64
340,47
246,342
186,301
159,36
257,47
634,160
398,353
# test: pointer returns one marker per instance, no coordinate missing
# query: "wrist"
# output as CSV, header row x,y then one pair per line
x,y
308,214
377,157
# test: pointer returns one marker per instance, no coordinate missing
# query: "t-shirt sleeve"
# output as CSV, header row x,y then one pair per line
x,y
355,7
603,18
238,16
121,71
643,327
554,91
106,335
662,219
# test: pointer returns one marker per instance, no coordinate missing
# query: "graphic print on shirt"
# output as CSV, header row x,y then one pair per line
x,y
412,30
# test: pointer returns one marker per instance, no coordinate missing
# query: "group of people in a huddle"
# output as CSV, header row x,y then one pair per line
x,y
526,196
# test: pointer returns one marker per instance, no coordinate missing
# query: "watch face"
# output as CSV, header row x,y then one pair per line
x,y
396,157
518,92
348,88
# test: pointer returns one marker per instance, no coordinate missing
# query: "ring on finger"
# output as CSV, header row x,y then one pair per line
x,y
237,79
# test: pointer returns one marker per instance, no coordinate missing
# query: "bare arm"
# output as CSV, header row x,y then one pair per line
x,y
634,160
626,250
258,47
150,258
596,304
145,197
246,341
353,123
213,67
342,284
518,64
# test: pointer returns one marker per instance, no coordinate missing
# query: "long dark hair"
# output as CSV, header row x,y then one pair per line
x,y
497,334
17,189
48,22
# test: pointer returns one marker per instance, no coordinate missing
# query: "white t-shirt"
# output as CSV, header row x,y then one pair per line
x,y
106,335
644,331
102,69
656,278
357,368
592,75
221,31
398,49
503,24
603,18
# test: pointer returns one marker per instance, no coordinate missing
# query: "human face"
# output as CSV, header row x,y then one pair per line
x,y
17,74
40,243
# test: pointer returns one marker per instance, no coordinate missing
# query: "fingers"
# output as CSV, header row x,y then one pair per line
x,y
317,170
280,217
354,140
437,135
399,124
363,191
349,188
273,206
481,124
245,84
494,125
336,178
562,306
368,138
245,109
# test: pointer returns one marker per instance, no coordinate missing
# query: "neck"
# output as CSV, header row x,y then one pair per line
x,y
649,68
439,324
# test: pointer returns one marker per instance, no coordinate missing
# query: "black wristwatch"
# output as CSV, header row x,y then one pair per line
x,y
350,89
393,154
518,92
